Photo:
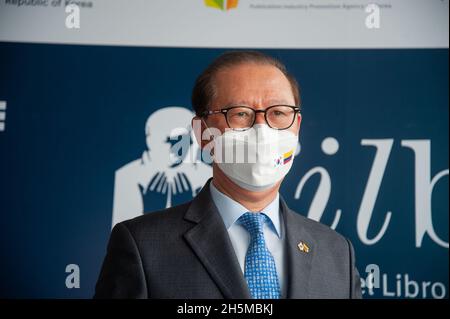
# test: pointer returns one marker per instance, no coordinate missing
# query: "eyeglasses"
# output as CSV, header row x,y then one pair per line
x,y
279,117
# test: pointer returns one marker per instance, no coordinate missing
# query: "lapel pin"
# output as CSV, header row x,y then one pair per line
x,y
303,247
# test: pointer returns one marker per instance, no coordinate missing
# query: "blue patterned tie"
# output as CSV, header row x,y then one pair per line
x,y
260,271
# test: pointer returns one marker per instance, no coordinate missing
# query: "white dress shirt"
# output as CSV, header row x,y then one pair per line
x,y
274,232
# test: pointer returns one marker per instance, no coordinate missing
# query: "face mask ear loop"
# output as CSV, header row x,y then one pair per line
x,y
207,127
210,134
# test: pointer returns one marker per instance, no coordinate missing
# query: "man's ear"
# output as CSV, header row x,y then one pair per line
x,y
299,122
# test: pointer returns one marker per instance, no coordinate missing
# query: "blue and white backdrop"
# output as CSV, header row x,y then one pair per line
x,y
89,95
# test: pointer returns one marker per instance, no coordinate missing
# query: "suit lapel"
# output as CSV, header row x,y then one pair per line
x,y
299,262
210,241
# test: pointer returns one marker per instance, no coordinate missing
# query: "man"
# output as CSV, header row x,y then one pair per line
x,y
237,238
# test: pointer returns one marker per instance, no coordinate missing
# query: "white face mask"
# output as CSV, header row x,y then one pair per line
x,y
255,159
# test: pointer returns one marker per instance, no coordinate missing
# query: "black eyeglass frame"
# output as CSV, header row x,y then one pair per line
x,y
225,110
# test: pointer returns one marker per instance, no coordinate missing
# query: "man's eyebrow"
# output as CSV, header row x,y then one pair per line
x,y
266,104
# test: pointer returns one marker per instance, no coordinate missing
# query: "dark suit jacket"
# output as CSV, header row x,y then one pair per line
x,y
185,252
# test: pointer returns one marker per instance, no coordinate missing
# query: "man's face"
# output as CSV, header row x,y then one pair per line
x,y
255,85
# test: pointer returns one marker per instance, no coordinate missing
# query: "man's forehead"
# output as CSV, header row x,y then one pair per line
x,y
264,87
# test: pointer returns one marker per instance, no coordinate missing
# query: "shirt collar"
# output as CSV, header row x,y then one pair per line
x,y
230,210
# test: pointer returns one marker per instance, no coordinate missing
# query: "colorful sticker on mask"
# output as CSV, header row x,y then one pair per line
x,y
286,158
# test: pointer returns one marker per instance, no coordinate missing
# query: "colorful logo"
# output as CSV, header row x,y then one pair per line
x,y
286,158
222,4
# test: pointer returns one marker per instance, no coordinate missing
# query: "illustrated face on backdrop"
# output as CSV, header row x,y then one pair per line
x,y
168,136
166,173
169,143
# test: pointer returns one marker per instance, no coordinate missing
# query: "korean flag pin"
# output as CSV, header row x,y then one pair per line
x,y
303,247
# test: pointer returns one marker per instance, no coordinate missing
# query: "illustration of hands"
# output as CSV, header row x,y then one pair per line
x,y
181,189
154,197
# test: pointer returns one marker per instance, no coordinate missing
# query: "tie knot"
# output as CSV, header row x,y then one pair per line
x,y
253,222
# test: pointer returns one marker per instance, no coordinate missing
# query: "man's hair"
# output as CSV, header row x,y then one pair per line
x,y
204,89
